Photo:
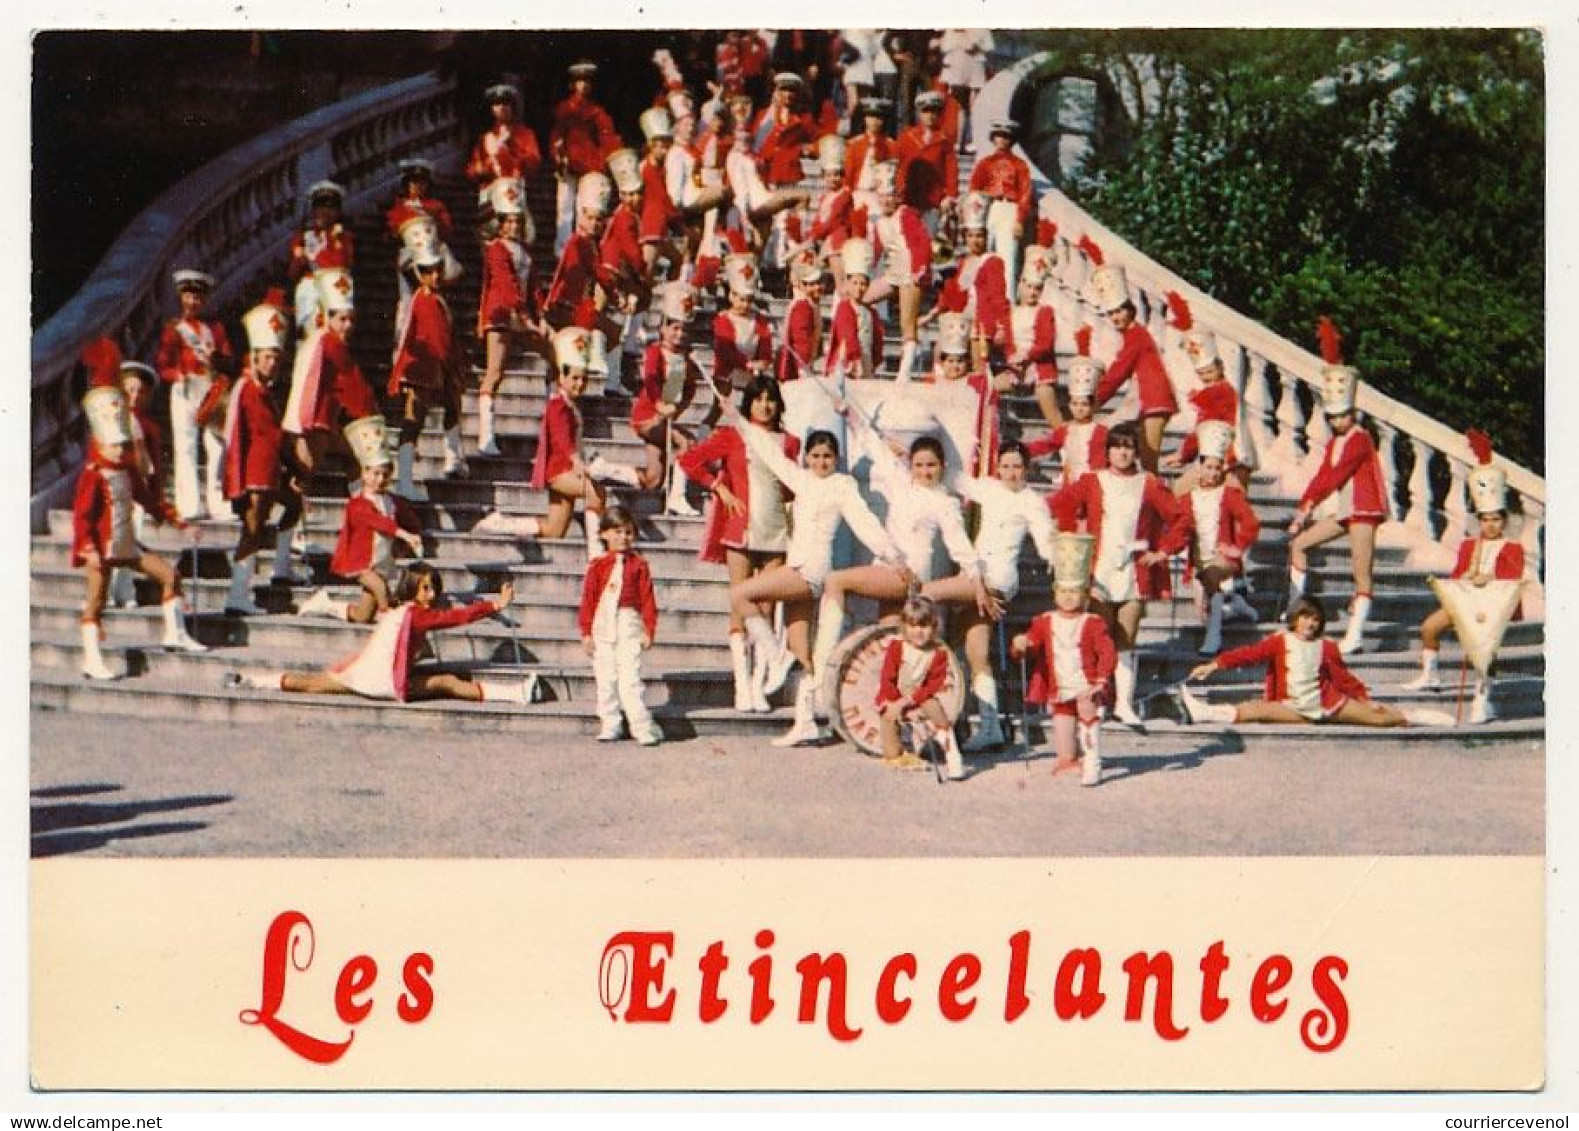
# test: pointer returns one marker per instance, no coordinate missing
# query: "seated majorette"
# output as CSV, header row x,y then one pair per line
x,y
428,369
979,287
1072,661
383,668
742,337
255,477
1006,180
824,497
915,669
1137,357
900,237
800,340
1081,443
669,377
560,466
506,305
835,216
1010,512
1214,400
1030,338
748,516
1483,561
855,336
328,390
323,242
1347,495
374,521
1129,512
102,531
953,364
1217,528
1306,681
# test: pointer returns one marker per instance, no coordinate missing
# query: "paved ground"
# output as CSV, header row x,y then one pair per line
x,y
168,788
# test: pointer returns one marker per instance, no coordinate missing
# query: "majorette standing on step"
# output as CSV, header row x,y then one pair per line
x,y
506,306
953,364
1347,494
1010,512
327,386
915,669
742,337
195,360
1217,528
800,341
1213,400
619,621
748,516
1137,357
1030,337
421,223
855,334
579,142
323,242
1072,661
374,521
1006,179
255,476
661,218
979,287
824,497
1489,558
138,381
866,151
102,534
507,149
1080,441
428,370
928,166
583,285
1129,512
901,239
835,215
669,378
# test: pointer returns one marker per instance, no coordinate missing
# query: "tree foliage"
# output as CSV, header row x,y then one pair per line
x,y
1393,179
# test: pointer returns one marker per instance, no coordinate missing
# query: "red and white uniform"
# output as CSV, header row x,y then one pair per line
x,y
1213,522
382,670
658,211
620,252
1309,676
1031,334
314,249
193,348
617,609
584,133
425,357
103,509
193,357
252,439
861,157
367,533
764,527
636,591
1215,400
1071,654
980,289
326,386
856,334
1349,485
558,441
1003,176
1495,557
506,287
911,675
1137,355
1128,515
1082,448
835,215
411,207
570,292
928,168
906,248
778,137
738,340
802,339
507,149
657,364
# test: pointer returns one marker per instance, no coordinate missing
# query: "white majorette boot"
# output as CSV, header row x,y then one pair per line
x,y
907,361
1124,690
1296,588
830,627
622,473
677,503
454,461
1088,737
175,634
1480,708
405,486
322,604
592,521
1427,680
740,663
805,728
1200,711
486,444
522,691
988,734
953,760
92,659
239,600
773,660
515,525
282,570
1354,636
1212,641
267,680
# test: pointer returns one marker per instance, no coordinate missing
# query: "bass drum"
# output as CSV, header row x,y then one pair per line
x,y
854,674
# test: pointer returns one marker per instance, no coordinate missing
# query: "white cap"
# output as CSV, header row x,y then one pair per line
x,y
336,291
1339,384
1214,438
857,256
679,302
189,278
507,196
502,92
573,348
109,415
973,211
1083,375
1038,265
656,123
788,80
1072,558
369,441
885,177
1109,289
625,168
325,189
929,100
954,335
830,153
1004,126
594,193
582,69
266,327
1488,488
1201,345
416,166
145,372
740,272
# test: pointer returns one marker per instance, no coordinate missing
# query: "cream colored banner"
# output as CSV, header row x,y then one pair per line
x,y
987,974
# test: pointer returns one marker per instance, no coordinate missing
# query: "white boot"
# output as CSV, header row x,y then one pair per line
x,y
774,661
239,600
740,662
92,659
266,680
805,728
321,604
988,734
1354,637
622,473
953,760
677,503
522,691
1201,711
175,634
592,522
1124,689
282,570
486,444
907,361
1427,680
1296,588
123,588
405,485
515,525
1212,641
454,462
1480,708
1088,737
830,627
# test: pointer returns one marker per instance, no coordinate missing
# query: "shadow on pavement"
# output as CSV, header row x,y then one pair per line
x,y
77,826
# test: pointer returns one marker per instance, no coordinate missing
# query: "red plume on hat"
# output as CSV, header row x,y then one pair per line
x,y
1331,341
1093,252
1182,318
1083,341
102,358
1480,444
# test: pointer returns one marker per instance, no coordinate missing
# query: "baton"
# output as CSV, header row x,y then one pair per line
x,y
1025,716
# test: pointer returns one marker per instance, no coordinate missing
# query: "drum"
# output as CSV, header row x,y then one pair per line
x,y
854,673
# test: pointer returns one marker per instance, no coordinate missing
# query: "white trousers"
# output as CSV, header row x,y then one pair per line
x,y
564,212
185,397
1002,217
616,669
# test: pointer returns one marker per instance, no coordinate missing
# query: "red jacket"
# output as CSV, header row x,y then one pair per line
x,y
193,347
658,212
727,353
570,292
584,133
252,440
404,209
1138,355
1350,469
1510,560
504,151
313,249
937,675
635,590
353,550
884,148
1237,528
917,249
92,508
505,288
725,450
1158,512
1098,657
558,440
339,387
779,150
1003,176
425,358
834,213
844,342
1337,682
802,338
1096,447
928,168
620,253
654,372
989,285
1215,401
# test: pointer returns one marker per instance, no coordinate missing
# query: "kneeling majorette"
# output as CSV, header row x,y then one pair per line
x,y
915,668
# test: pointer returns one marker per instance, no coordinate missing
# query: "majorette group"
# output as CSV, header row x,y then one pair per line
x,y
712,204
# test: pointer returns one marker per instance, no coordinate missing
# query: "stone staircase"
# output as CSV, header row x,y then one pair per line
x,y
687,670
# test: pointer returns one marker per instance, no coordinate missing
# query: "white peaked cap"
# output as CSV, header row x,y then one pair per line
x,y
109,415
1083,375
594,193
830,153
336,290
1201,345
266,327
625,168
1109,288
656,123
187,277
954,334
369,441
1072,557
507,196
740,272
1214,438
857,256
1339,384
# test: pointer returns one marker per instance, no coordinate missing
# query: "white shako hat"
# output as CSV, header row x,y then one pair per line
x,y
885,177
1083,375
266,327
336,291
507,196
625,168
1109,289
830,153
740,272
369,441
656,123
1072,556
573,348
109,415
594,193
679,302
1488,484
189,279
419,235
1339,384
1214,438
1038,265
857,256
954,335
973,211
1201,345
806,271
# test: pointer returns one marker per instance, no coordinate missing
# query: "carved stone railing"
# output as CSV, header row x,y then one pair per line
x,y
233,218
1276,380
